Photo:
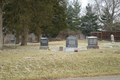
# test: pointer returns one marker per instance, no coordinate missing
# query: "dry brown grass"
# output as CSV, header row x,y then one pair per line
x,y
28,62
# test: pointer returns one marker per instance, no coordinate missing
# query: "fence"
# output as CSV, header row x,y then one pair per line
x,y
105,35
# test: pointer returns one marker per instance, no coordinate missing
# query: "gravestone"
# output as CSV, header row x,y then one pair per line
x,y
44,43
112,38
61,48
92,42
71,44
87,38
12,41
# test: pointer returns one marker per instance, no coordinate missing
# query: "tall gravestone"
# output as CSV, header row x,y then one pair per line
x,y
112,38
92,42
71,44
44,43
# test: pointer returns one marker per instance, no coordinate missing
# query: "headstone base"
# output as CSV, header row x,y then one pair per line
x,y
70,49
45,48
91,46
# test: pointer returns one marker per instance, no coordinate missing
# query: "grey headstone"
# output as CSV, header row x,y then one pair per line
x,y
87,38
92,42
71,44
12,41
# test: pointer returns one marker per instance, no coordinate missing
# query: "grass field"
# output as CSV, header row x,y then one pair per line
x,y
29,62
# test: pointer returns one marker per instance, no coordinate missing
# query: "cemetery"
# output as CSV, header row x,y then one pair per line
x,y
56,39
40,63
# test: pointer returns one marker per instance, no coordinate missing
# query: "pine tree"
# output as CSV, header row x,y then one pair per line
x,y
76,13
70,17
42,16
58,20
11,22
73,15
89,21
17,18
35,16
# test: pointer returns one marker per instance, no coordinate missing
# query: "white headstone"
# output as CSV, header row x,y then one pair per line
x,y
112,38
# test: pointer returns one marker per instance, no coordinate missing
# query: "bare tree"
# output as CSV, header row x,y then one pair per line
x,y
110,9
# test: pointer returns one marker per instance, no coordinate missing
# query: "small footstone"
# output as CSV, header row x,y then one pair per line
x,y
61,48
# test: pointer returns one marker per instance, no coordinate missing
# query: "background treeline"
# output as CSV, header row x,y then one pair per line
x,y
22,17
49,17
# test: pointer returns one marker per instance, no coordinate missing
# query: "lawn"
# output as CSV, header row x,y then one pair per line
x,y
29,62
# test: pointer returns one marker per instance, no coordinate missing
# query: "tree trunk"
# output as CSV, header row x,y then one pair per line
x,y
24,36
17,37
1,33
39,36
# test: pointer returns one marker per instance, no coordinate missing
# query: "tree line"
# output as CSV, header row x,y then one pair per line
x,y
102,15
22,17
49,17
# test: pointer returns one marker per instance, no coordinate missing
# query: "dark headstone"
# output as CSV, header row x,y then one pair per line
x,y
71,42
92,42
44,43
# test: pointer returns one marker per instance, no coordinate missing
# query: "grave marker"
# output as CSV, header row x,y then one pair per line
x,y
71,44
44,43
12,41
92,42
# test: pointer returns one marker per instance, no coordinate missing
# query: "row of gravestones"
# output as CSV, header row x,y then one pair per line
x,y
71,43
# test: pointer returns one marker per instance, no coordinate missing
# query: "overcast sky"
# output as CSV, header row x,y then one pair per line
x,y
84,3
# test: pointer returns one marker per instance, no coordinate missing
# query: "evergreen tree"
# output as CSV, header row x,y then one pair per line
x,y
11,22
42,16
58,20
70,17
73,15
17,18
35,16
89,21
50,19
76,13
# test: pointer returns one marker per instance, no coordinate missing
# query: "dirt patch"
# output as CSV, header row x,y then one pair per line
x,y
117,52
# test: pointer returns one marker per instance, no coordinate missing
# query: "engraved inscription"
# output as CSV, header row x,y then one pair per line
x,y
72,42
44,41
93,41
71,45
